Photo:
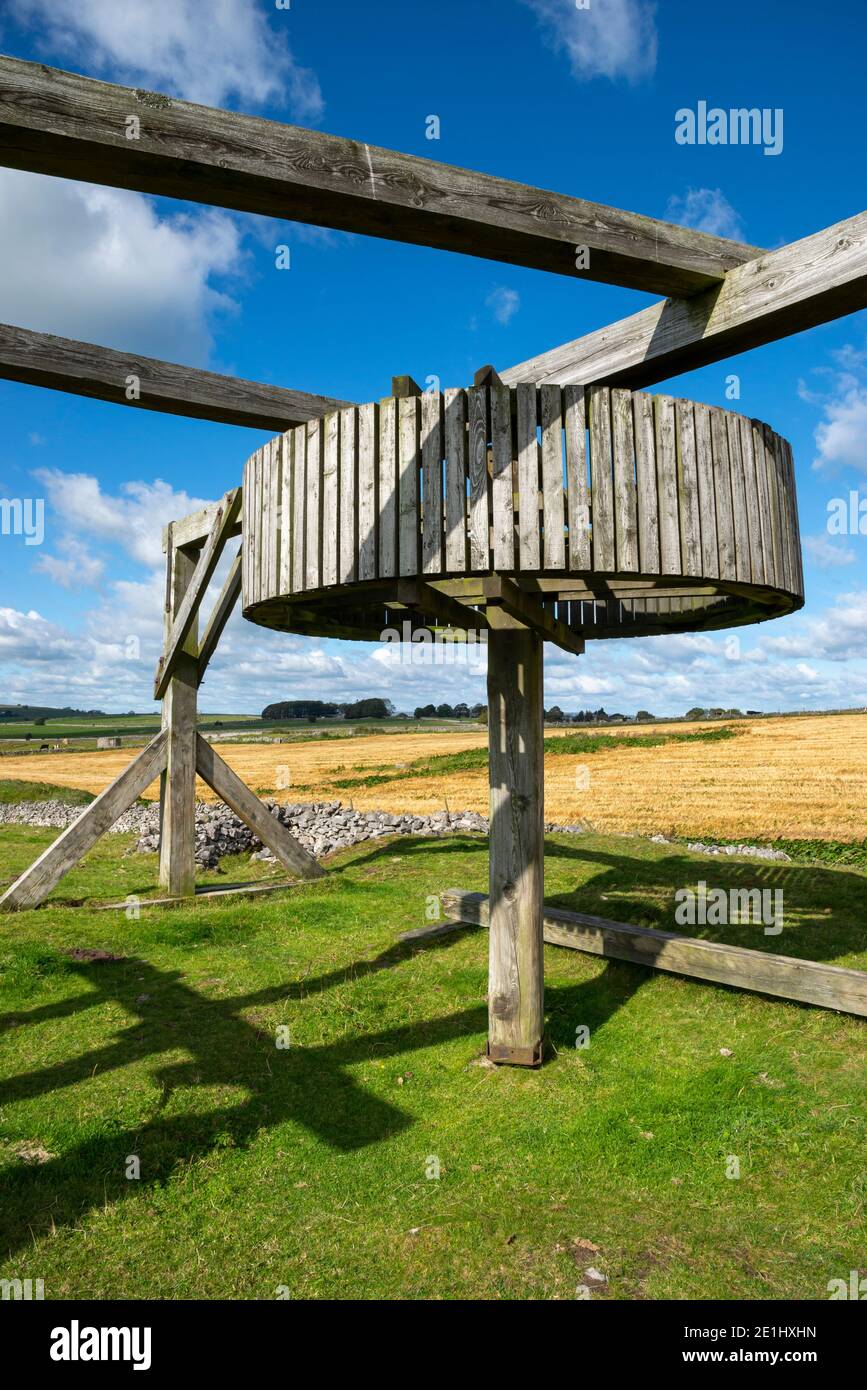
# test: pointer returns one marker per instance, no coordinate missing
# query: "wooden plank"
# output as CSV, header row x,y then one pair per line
x,y
477,411
706,493
796,521
254,524
502,487
191,531
228,597
55,122
739,501
758,433
625,490
299,504
516,839
368,440
808,282
764,972
783,500
330,497
774,501
37,881
286,513
687,489
432,481
313,507
666,479
723,494
577,490
601,480
757,557
456,479
103,374
348,496
388,456
644,431
178,782
527,450
553,495
238,797
409,538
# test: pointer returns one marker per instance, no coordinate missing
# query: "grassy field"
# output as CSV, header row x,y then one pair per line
x,y
801,778
307,1166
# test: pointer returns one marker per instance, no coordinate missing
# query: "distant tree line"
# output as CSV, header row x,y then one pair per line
x,y
311,710
444,711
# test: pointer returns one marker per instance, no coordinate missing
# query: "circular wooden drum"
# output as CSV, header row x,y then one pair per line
x,y
597,513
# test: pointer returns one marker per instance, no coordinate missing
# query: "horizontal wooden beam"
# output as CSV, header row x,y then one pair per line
x,y
812,281
56,122
523,608
145,383
786,977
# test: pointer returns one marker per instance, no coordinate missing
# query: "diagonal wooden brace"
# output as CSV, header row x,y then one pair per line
x,y
224,521
47,871
229,787
229,595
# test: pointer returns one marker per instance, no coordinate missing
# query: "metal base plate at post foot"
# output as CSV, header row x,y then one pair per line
x,y
515,1056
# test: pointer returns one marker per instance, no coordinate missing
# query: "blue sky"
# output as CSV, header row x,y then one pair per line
x,y
580,101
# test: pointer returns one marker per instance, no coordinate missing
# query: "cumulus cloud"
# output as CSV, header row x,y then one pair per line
x,y
610,38
841,438
208,53
503,304
99,264
708,210
828,554
74,568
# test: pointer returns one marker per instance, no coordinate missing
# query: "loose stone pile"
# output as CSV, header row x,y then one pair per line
x,y
321,826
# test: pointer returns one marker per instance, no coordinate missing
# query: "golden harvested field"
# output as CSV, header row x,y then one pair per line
x,y
800,777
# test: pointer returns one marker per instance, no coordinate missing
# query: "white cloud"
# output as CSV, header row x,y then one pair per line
x,y
708,210
100,265
503,303
74,568
841,438
610,38
827,554
205,52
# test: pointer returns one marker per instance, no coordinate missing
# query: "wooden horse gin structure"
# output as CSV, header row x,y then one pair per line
x,y
553,501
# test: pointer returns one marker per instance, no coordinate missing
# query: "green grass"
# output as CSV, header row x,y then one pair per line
x,y
306,1166
42,791
441,764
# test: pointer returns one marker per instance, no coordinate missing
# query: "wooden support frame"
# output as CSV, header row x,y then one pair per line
x,y
765,972
504,595
180,699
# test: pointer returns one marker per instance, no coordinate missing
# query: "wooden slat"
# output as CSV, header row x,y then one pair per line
x,y
601,480
723,494
248,540
774,501
432,481
455,425
330,497
477,409
781,292
687,489
229,788
408,480
757,556
706,493
502,492
553,497
785,518
625,491
348,545
287,442
764,490
796,521
578,492
100,373
368,439
785,977
37,881
388,455
313,507
666,477
55,122
299,504
647,489
739,501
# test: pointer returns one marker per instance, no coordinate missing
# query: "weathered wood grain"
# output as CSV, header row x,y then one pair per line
x,y
368,440
432,481
553,496
477,411
330,497
577,489
687,489
388,456
502,487
409,536
348,545
177,864
55,122
625,490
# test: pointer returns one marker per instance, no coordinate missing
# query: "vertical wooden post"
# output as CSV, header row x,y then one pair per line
x,y
178,783
515,760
